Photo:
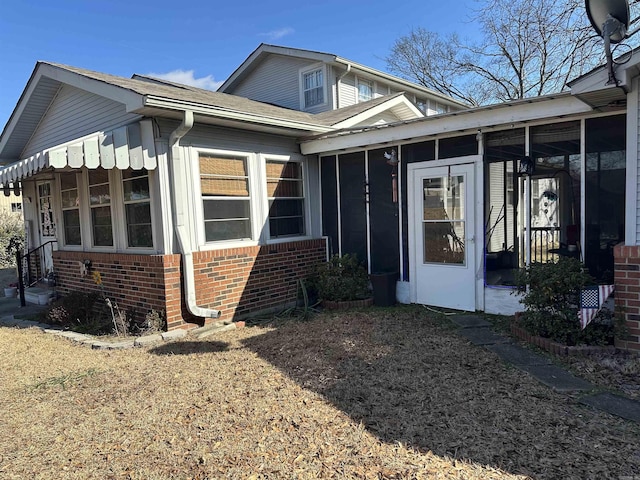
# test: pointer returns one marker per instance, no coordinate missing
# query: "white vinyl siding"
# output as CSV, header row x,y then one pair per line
x,y
275,81
75,113
348,92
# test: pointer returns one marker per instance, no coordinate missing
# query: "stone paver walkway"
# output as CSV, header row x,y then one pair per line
x,y
477,330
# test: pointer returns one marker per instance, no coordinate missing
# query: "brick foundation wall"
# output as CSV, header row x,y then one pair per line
x,y
243,281
237,281
627,293
138,283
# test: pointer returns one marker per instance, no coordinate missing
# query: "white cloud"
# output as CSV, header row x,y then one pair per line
x,y
279,33
187,77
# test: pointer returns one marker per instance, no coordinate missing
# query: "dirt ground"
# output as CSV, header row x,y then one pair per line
x,y
373,394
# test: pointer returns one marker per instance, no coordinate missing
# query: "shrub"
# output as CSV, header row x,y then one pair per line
x,y
12,235
80,312
551,297
342,278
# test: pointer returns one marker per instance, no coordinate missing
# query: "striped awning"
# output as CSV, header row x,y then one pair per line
x,y
131,146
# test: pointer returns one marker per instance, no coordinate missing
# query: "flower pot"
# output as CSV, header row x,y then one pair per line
x,y
10,291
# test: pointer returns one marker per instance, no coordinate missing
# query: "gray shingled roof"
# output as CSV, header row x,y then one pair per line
x,y
200,96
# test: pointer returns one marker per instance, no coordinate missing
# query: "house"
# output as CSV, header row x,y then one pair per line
x,y
154,184
185,200
318,82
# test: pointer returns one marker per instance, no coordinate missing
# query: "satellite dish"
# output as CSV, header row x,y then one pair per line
x,y
610,18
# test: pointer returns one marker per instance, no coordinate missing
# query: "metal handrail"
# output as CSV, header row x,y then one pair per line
x,y
19,258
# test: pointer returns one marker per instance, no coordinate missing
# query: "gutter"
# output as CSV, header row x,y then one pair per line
x,y
179,185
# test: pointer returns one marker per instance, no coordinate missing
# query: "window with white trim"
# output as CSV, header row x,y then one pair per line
x,y
137,207
226,199
365,90
70,203
16,207
313,88
285,192
100,207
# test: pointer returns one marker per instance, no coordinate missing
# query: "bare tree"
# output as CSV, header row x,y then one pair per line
x,y
528,48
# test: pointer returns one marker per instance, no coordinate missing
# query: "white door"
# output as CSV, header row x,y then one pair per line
x,y
46,227
444,258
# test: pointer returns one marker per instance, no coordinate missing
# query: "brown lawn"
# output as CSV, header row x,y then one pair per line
x,y
382,393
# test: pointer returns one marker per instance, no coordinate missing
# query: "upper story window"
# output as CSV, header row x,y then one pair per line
x,y
313,87
365,90
285,193
423,105
137,206
226,200
70,203
100,207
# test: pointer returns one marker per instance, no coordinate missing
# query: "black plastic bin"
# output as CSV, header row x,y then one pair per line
x,y
384,288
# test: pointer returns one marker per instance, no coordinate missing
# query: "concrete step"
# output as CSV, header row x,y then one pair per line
x,y
38,295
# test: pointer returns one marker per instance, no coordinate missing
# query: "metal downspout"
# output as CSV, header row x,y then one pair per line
x,y
179,185
338,80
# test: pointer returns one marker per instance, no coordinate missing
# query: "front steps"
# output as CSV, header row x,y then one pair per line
x,y
39,295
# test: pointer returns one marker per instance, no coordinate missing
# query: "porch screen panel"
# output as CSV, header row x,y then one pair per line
x,y
555,190
604,193
502,239
383,213
411,153
224,184
329,201
353,212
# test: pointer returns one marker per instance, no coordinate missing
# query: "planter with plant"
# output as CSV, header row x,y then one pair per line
x,y
551,296
342,282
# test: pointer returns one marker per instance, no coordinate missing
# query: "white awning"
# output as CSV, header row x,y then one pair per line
x,y
131,146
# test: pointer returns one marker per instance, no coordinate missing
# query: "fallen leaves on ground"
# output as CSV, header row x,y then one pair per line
x,y
371,394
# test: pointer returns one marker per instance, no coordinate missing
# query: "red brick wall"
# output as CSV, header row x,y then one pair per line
x,y
241,281
236,281
137,283
627,293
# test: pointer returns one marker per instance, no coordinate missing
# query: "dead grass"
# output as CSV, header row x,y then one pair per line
x,y
382,393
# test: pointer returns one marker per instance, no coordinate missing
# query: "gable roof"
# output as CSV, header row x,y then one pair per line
x,y
150,97
264,50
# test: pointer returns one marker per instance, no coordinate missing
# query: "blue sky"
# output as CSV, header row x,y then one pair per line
x,y
201,42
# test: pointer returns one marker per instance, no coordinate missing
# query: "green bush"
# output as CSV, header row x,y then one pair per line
x,y
551,297
12,235
342,278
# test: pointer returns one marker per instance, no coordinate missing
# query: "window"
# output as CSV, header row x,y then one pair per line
x,y
423,105
100,207
137,206
313,88
16,207
70,201
365,90
224,184
286,198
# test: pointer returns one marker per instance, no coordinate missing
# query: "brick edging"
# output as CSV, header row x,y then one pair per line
x,y
556,348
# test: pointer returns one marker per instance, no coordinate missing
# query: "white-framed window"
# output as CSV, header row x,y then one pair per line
x,y
16,207
423,105
313,87
226,196
100,207
70,205
137,207
286,198
365,90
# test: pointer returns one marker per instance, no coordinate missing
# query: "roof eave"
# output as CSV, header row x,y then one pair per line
x,y
235,115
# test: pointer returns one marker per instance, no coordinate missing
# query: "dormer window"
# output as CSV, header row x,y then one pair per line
x,y
313,87
365,90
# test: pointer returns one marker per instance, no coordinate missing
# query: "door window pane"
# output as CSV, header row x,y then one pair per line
x,y
443,225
